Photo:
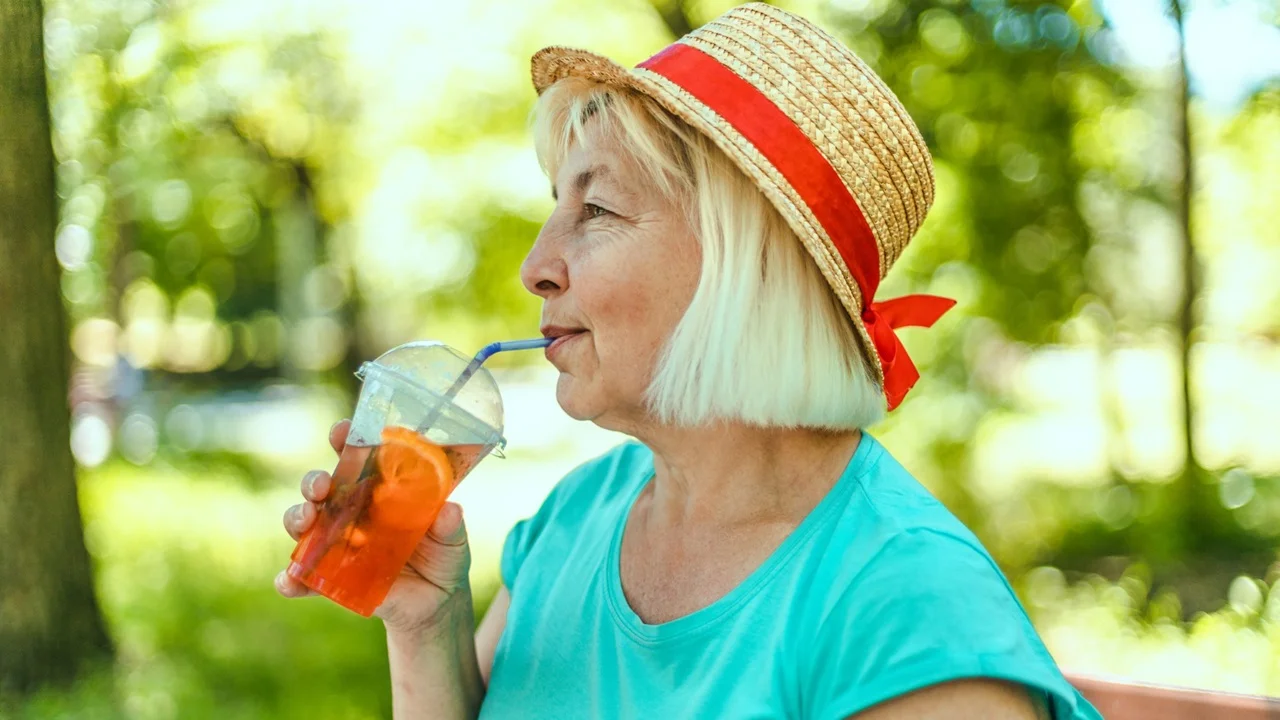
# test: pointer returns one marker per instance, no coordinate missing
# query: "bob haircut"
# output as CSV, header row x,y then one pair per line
x,y
764,341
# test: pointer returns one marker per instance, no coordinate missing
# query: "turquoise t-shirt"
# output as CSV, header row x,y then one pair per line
x,y
878,592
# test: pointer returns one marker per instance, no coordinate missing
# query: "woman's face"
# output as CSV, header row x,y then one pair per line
x,y
616,265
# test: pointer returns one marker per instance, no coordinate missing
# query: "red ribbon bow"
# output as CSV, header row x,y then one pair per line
x,y
882,319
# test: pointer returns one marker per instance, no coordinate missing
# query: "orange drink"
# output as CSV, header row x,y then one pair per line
x,y
414,436
383,500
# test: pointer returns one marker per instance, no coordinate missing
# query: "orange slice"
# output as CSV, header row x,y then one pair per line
x,y
415,477
354,537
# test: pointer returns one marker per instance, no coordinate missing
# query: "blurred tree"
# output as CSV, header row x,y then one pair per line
x,y
997,90
205,162
1189,505
1016,100
675,15
50,626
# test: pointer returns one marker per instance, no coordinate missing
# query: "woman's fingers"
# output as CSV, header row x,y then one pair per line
x,y
291,588
298,519
316,485
448,528
338,435
442,558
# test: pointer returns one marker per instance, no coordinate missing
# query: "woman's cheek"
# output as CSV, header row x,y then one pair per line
x,y
636,322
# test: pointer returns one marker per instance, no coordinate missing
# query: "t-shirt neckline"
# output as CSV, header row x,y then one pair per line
x,y
705,618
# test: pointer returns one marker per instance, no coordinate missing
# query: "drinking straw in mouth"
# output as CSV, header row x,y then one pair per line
x,y
485,353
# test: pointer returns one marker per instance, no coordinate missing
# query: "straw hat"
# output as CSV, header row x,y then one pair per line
x,y
826,141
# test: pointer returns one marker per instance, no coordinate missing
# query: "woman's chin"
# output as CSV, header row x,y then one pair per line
x,y
570,399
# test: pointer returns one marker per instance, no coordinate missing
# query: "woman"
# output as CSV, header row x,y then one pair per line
x,y
724,214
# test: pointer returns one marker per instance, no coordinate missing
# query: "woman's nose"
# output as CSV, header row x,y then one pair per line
x,y
544,272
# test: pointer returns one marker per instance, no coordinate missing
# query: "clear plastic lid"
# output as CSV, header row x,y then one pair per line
x,y
408,385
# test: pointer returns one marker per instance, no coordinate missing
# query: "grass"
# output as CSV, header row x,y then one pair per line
x,y
184,573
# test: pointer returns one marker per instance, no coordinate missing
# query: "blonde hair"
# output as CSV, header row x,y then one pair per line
x,y
764,341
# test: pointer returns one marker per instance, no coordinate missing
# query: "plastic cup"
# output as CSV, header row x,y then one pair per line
x,y
394,474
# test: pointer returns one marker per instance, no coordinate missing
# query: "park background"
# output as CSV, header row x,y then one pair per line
x,y
225,206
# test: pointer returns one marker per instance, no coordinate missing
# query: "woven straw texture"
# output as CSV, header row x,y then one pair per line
x,y
843,108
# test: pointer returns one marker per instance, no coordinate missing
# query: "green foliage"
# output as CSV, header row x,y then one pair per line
x,y
185,564
1051,172
993,91
1129,628
180,163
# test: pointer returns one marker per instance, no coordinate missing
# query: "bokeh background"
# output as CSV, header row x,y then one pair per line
x,y
254,196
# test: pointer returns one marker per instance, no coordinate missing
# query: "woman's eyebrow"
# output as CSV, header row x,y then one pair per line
x,y
583,179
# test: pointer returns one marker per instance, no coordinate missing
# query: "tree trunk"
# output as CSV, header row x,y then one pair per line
x,y
1187,503
675,16
50,626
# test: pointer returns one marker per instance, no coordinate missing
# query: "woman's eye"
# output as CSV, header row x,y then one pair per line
x,y
593,211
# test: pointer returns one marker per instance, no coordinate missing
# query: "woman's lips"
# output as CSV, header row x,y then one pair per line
x,y
560,342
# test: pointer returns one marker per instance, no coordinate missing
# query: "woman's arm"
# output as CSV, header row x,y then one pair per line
x,y
434,673
440,672
490,631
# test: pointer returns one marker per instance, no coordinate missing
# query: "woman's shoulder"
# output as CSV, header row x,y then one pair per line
x,y
889,497
894,539
884,515
584,505
911,598
611,477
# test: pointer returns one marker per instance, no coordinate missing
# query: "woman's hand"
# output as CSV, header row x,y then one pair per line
x,y
431,583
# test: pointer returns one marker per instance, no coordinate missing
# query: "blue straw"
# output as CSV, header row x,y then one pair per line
x,y
485,353
497,347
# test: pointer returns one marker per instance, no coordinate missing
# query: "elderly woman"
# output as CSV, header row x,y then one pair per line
x,y
724,214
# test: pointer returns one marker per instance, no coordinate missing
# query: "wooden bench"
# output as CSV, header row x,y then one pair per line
x,y
1121,700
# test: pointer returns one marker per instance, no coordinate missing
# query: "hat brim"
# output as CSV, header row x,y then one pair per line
x,y
552,64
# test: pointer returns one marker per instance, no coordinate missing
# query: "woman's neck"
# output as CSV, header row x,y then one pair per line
x,y
732,473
